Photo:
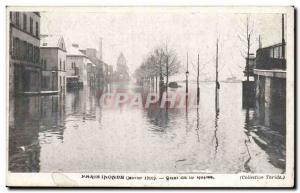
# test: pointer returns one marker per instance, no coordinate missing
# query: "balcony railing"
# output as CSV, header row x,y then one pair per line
x,y
270,58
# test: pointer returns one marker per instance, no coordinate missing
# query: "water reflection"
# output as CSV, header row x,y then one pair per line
x,y
216,128
37,120
267,132
247,140
74,133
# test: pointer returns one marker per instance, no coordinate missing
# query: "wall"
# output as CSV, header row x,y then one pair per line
x,y
81,63
50,56
61,59
54,71
24,72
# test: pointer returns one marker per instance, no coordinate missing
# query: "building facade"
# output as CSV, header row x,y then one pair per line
x,y
77,63
24,53
99,68
121,73
270,83
53,62
270,73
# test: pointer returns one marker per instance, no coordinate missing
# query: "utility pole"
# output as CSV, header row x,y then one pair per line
x,y
198,89
217,77
283,41
187,74
248,50
248,54
217,66
187,81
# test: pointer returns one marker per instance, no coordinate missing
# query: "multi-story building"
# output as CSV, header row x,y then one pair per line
x,y
99,67
24,53
270,73
53,62
270,82
80,68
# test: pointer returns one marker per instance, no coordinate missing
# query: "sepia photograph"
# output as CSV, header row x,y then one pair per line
x,y
150,96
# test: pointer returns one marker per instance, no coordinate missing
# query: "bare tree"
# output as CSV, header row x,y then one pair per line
x,y
172,64
245,38
161,63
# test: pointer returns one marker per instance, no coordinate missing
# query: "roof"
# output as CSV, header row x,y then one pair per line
x,y
72,51
89,61
52,41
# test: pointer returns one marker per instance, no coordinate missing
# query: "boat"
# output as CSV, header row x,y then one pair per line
x,y
174,85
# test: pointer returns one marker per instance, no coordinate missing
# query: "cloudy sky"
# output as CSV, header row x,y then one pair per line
x,y
135,33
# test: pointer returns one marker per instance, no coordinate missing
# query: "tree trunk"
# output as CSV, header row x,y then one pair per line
x,y
198,89
156,83
248,54
167,78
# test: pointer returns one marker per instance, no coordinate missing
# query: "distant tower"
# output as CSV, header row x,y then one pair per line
x,y
122,68
100,48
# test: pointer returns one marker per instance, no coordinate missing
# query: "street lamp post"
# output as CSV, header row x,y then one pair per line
x,y
187,74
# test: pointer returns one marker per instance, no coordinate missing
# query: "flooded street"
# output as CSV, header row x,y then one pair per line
x,y
73,133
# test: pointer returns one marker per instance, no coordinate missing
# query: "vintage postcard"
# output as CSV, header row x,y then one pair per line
x,y
150,96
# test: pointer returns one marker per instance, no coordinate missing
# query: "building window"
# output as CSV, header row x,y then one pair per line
x,y
35,55
59,64
18,48
18,19
64,66
45,64
73,65
24,22
276,52
14,48
10,16
26,53
37,29
280,52
31,53
271,53
23,50
31,25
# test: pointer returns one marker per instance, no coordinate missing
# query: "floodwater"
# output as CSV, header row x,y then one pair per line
x,y
74,133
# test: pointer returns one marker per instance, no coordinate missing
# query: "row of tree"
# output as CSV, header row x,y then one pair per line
x,y
157,67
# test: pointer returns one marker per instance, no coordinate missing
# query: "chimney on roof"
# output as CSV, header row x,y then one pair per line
x,y
75,45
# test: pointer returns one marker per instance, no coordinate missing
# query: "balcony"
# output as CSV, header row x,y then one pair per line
x,y
270,58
